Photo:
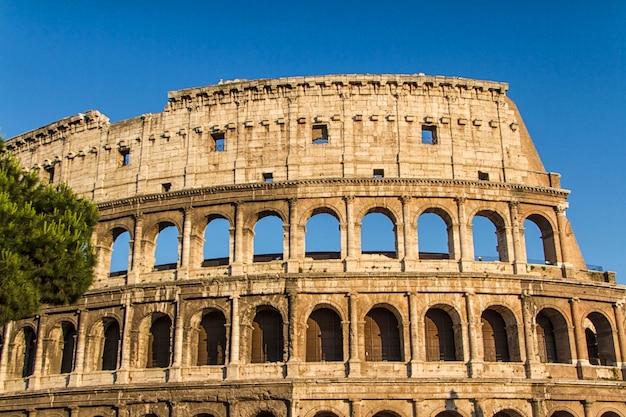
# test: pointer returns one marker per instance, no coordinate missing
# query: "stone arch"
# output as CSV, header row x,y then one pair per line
x,y
277,251
599,338
448,413
216,250
60,348
508,412
167,237
377,227
547,235
499,223
562,413
609,413
153,225
325,414
154,344
23,349
442,330
311,249
382,335
210,338
119,258
553,341
103,345
324,336
323,410
267,342
444,239
500,335
386,413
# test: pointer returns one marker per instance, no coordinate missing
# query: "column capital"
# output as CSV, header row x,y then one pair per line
x,y
460,200
404,199
348,198
560,209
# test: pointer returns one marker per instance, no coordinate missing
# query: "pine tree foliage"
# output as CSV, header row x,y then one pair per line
x,y
45,251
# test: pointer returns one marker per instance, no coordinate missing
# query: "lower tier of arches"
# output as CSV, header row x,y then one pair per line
x,y
379,397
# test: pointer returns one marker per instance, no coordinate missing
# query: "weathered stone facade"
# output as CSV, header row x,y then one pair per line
x,y
337,333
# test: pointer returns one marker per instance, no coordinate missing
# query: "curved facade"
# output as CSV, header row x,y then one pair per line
x,y
252,281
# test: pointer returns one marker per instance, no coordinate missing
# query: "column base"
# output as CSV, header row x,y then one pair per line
x,y
354,368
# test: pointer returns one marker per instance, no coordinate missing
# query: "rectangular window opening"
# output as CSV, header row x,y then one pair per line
x,y
429,135
219,141
50,172
124,157
320,134
166,187
483,176
268,177
379,173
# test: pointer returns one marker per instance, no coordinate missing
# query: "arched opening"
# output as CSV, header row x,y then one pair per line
x,y
324,340
507,413
212,339
552,337
204,415
268,238
539,238
610,414
166,252
111,346
500,342
159,342
265,414
489,237
561,414
382,336
322,238
120,256
448,413
440,340
216,242
325,414
65,335
600,345
28,344
433,235
267,337
385,414
378,235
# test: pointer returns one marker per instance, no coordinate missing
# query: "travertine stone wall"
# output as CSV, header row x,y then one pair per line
x,y
243,150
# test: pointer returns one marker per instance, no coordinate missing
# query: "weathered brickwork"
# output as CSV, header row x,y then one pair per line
x,y
345,332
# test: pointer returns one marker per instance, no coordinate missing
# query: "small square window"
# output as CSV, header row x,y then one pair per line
x,y
219,141
268,177
320,134
429,135
379,173
124,157
166,187
483,176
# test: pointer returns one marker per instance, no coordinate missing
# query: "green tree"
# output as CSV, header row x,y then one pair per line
x,y
45,251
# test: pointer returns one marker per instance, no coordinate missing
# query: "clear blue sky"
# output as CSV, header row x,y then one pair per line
x,y
564,61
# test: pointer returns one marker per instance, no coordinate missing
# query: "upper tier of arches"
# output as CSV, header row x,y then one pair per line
x,y
341,234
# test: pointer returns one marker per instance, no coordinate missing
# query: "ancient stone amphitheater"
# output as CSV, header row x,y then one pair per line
x,y
213,324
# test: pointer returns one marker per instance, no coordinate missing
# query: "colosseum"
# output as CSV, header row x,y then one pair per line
x,y
351,312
